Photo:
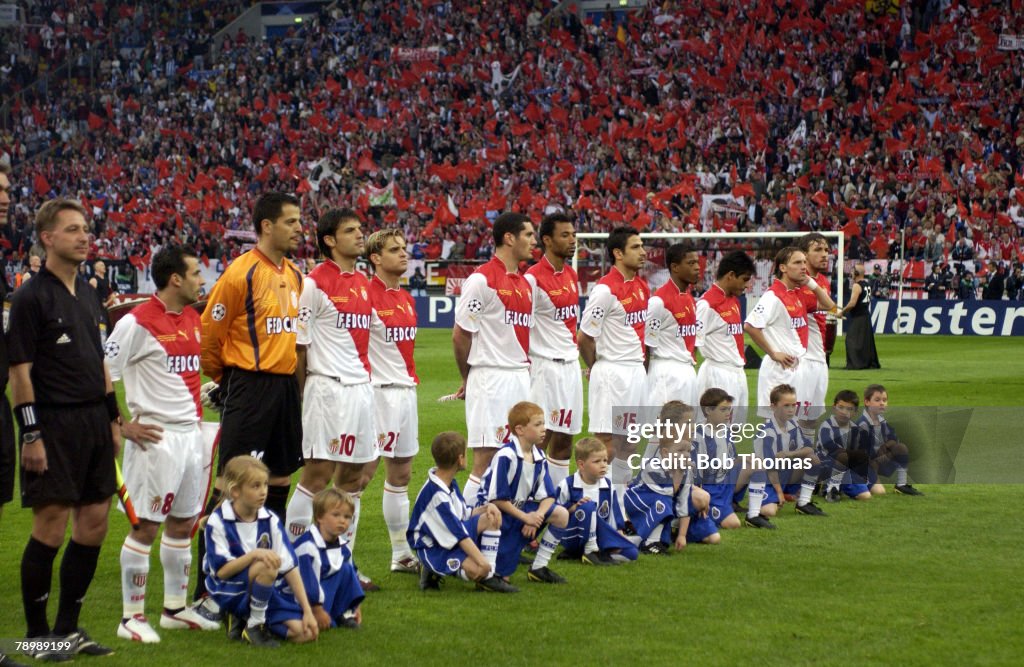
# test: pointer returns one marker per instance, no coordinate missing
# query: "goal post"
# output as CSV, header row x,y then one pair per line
x,y
838,242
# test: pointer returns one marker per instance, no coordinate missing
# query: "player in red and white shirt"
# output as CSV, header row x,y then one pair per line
x,y
720,332
155,350
393,374
491,340
778,325
611,340
556,383
671,331
814,367
339,436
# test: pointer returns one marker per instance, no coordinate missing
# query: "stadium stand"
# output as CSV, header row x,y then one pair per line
x,y
727,115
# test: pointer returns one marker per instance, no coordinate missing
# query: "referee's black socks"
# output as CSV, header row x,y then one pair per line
x,y
211,505
36,578
277,500
77,568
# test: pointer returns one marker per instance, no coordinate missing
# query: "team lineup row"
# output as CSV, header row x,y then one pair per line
x,y
318,373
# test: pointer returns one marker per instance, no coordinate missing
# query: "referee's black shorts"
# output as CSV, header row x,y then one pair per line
x,y
79,458
262,417
8,452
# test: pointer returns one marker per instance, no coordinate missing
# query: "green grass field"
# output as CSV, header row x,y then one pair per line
x,y
914,581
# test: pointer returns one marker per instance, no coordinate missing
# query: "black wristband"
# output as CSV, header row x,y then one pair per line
x,y
25,414
113,409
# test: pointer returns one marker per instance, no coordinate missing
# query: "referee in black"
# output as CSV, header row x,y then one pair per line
x,y
68,416
8,452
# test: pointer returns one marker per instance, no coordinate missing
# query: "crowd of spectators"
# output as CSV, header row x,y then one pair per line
x,y
814,115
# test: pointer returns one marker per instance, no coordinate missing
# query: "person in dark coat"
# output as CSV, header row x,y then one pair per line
x,y
860,337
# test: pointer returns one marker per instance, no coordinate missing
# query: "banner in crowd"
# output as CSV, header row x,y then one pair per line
x,y
382,197
415,54
956,318
1009,42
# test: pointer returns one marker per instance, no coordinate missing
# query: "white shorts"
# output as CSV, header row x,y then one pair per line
x,y
670,380
558,388
167,478
811,389
397,419
771,375
617,395
490,394
337,421
730,379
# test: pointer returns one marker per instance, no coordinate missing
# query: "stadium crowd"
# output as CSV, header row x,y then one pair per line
x,y
437,117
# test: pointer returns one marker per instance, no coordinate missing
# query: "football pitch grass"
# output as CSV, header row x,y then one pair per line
x,y
896,580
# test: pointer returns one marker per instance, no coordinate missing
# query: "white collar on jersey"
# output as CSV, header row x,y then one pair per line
x,y
319,540
538,453
227,510
432,475
578,483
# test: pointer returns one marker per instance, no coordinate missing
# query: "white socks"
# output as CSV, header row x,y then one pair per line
x,y
558,469
300,512
755,496
134,572
546,549
350,536
591,545
396,516
489,540
471,490
176,559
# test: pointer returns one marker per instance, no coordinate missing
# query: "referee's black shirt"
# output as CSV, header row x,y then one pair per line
x,y
59,334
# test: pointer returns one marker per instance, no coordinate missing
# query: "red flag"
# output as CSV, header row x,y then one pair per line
x,y
853,213
366,164
42,186
95,122
820,198
851,229
743,190
803,182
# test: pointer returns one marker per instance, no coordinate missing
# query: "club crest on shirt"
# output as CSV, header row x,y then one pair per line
x,y
580,515
296,529
263,542
499,433
553,417
659,507
602,511
454,564
154,504
618,421
334,445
